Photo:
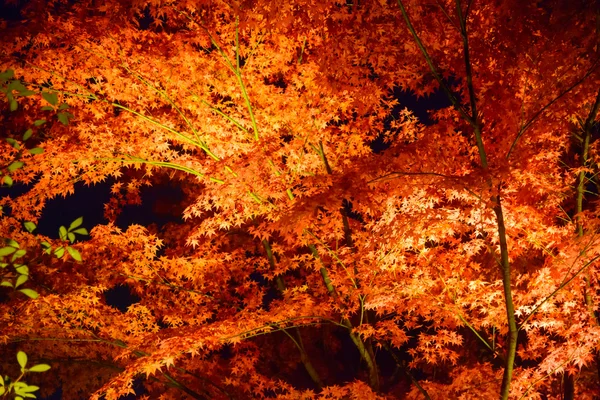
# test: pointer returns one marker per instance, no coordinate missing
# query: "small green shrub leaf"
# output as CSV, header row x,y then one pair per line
x,y
29,388
29,293
22,359
76,224
27,134
39,368
4,251
21,280
18,253
59,252
16,85
63,118
36,150
22,269
51,98
81,231
6,75
26,92
74,253
62,233
29,226
7,180
15,165
13,143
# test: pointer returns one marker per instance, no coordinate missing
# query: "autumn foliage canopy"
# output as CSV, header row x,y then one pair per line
x,y
325,242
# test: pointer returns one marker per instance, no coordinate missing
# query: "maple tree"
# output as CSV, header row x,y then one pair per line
x,y
320,218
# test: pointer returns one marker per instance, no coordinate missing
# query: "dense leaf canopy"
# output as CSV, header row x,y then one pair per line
x,y
328,243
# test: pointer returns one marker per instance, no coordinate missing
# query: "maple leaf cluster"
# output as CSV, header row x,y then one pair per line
x,y
329,243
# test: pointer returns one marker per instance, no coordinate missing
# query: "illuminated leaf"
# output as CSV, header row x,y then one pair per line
x,y
29,226
81,231
21,280
59,252
39,368
4,251
22,359
51,98
22,269
6,75
27,134
29,293
74,253
36,150
62,233
76,223
15,165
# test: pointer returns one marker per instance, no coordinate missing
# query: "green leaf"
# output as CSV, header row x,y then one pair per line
x,y
71,237
6,283
29,226
63,106
39,368
59,252
13,105
3,265
36,150
22,359
62,117
76,224
26,92
13,243
62,233
7,180
15,165
6,75
29,388
39,122
22,269
51,98
74,253
27,134
4,251
29,293
13,143
46,246
16,85
2,389
21,280
47,108
18,253
81,231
